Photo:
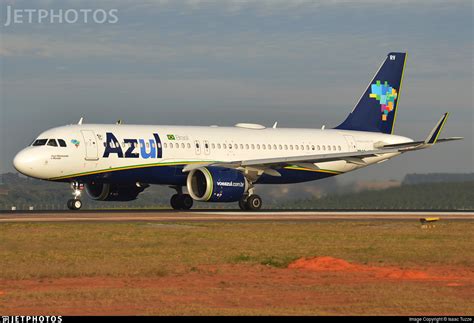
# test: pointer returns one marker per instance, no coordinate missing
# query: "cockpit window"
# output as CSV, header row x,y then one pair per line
x,y
62,143
52,142
40,142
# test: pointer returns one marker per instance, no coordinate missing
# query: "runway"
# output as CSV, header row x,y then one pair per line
x,y
220,215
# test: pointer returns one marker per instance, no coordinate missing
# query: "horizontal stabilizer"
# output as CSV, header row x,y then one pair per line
x,y
433,136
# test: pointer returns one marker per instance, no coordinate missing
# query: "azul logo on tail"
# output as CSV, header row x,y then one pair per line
x,y
386,95
150,148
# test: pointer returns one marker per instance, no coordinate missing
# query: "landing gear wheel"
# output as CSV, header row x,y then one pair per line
x,y
181,202
243,205
175,202
254,203
74,204
186,202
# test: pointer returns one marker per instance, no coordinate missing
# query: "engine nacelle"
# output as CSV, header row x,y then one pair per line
x,y
216,184
113,192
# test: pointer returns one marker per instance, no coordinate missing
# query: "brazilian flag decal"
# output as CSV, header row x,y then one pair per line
x,y
171,137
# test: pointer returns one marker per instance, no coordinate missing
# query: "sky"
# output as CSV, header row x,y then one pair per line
x,y
194,62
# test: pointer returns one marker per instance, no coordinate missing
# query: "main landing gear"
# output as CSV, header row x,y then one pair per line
x,y
250,203
180,201
75,203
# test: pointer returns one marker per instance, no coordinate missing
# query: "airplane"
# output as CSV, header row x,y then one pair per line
x,y
117,162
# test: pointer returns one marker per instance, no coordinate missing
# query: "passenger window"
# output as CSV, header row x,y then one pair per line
x,y
319,147
188,145
312,147
206,145
297,147
286,147
334,148
302,147
218,146
224,146
213,146
52,142
197,145
324,147
62,143
241,146
264,147
280,147
258,146
236,146
339,147
182,145
329,147
253,146
40,142
291,147
307,147
247,146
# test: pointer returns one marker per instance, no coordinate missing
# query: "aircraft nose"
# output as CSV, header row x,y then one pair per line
x,y
23,162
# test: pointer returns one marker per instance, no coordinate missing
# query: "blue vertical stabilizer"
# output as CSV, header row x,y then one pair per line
x,y
377,108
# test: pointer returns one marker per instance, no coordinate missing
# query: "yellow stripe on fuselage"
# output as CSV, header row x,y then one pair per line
x,y
313,170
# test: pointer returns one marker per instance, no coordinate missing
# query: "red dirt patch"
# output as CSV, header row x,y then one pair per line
x,y
334,264
330,287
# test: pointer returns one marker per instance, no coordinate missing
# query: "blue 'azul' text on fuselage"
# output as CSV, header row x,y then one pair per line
x,y
150,148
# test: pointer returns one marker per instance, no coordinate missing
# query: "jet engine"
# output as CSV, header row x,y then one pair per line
x,y
216,184
113,192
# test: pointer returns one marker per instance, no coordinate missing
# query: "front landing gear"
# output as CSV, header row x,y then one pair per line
x,y
75,203
251,203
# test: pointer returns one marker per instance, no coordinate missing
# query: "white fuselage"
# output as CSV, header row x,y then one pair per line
x,y
91,150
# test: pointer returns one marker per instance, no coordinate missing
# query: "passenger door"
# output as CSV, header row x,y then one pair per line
x,y
350,142
92,150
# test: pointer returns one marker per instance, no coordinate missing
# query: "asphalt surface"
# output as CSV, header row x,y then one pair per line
x,y
221,215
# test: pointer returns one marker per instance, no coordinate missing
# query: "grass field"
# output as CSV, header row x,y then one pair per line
x,y
233,268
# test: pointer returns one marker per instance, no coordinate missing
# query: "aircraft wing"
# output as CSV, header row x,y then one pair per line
x,y
431,140
268,165
415,145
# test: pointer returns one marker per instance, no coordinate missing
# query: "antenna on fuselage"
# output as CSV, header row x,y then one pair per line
x,y
80,120
275,125
119,121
